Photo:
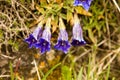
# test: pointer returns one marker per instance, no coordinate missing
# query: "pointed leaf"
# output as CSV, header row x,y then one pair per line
x,y
91,36
54,24
41,10
66,73
80,10
43,2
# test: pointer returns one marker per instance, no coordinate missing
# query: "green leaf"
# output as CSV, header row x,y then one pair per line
x,y
54,24
66,73
80,74
11,71
63,16
43,2
80,10
108,72
1,34
91,35
41,10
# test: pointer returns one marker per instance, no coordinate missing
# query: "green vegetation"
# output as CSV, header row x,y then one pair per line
x,y
99,59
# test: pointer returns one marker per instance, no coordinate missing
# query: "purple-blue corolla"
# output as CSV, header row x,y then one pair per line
x,y
84,3
34,37
62,43
77,39
44,42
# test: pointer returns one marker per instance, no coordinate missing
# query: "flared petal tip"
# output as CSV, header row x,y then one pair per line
x,y
43,45
31,40
78,43
77,4
62,45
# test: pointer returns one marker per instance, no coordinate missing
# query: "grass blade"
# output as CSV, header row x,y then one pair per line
x,y
80,74
11,71
44,78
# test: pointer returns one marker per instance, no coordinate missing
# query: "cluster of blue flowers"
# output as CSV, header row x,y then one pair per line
x,y
40,38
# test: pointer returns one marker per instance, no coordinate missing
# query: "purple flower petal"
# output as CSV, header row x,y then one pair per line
x,y
37,32
78,43
77,33
83,3
46,34
43,45
34,37
62,45
31,40
44,42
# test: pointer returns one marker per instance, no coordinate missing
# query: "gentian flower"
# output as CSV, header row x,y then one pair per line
x,y
34,37
77,33
62,43
84,3
44,42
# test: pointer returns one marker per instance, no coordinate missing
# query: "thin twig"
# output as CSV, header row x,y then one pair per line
x,y
114,53
77,58
39,78
107,26
9,57
2,76
27,10
114,1
110,61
